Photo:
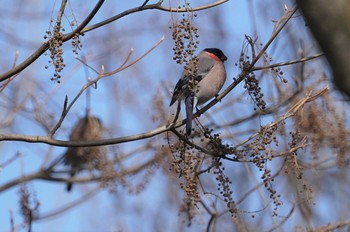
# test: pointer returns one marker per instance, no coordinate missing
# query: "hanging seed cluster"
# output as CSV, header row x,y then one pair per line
x,y
251,83
185,163
185,36
186,39
76,41
224,185
215,144
188,164
277,71
260,153
55,38
292,166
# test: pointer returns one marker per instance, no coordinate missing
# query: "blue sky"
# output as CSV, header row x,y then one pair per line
x,y
124,97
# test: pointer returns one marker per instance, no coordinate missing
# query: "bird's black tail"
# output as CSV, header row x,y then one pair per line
x,y
69,187
189,112
70,184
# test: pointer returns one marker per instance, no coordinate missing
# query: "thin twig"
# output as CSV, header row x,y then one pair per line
x,y
63,115
302,60
332,227
86,64
132,50
284,220
123,66
10,160
46,174
3,86
252,190
60,14
144,4
69,206
22,179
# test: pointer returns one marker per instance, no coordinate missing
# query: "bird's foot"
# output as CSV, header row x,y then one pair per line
x,y
197,109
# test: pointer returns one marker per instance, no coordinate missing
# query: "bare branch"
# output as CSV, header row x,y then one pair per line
x,y
3,86
63,115
61,143
156,6
60,13
22,179
284,220
43,48
288,62
123,67
69,206
332,227
87,65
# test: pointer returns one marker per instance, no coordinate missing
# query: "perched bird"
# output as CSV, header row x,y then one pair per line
x,y
88,128
200,82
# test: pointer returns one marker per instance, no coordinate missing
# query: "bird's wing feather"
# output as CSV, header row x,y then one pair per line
x,y
204,66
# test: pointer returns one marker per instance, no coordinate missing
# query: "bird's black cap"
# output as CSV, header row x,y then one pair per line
x,y
217,52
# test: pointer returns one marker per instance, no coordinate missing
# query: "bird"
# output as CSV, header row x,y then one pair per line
x,y
87,128
200,81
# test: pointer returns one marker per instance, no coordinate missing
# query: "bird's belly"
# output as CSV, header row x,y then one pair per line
x,y
208,89
207,93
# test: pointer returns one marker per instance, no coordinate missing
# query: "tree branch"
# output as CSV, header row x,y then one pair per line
x,y
288,62
43,48
156,6
82,29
